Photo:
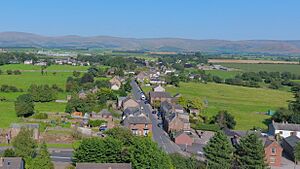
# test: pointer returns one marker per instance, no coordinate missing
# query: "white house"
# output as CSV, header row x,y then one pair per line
x,y
28,62
159,88
284,129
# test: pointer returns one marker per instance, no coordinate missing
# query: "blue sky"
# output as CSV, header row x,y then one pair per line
x,y
195,19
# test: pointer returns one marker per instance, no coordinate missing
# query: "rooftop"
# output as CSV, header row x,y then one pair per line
x,y
286,126
11,162
292,140
103,166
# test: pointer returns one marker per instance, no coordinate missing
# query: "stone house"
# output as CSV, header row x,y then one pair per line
x,y
182,138
138,123
288,144
159,88
115,83
174,123
159,97
11,163
129,102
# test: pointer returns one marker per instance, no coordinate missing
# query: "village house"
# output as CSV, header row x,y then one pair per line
x,y
182,138
156,81
288,144
103,166
115,83
173,123
273,152
82,95
159,88
129,102
159,97
104,114
11,163
137,121
284,129
142,76
28,62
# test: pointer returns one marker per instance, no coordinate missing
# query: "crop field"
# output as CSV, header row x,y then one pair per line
x,y
293,68
242,102
250,61
32,75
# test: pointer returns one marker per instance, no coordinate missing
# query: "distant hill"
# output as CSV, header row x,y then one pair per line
x,y
20,39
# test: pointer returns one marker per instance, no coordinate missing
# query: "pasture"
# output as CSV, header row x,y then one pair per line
x,y
223,74
242,102
293,68
32,75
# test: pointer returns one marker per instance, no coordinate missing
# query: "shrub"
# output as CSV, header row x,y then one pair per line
x,y
41,116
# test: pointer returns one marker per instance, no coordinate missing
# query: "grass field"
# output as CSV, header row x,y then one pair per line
x,y
31,75
242,102
265,67
223,74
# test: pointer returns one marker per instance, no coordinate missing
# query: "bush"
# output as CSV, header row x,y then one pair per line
x,y
17,72
96,123
9,72
41,116
207,127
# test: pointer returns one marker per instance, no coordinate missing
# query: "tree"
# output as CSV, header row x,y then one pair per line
x,y
101,150
219,152
9,72
196,104
224,120
24,144
9,153
24,105
86,78
182,162
250,153
282,115
42,160
76,73
120,133
183,102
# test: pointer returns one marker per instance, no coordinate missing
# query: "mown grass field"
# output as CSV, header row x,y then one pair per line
x,y
264,67
223,74
31,75
242,102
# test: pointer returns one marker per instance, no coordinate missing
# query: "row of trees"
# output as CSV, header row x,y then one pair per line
x,y
11,72
292,114
6,58
44,93
9,88
35,156
249,153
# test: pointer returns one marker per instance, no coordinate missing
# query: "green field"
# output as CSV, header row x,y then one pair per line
x,y
38,68
223,74
244,103
265,67
31,75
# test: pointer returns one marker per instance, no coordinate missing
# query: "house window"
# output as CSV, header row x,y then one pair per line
x,y
273,150
272,160
146,125
280,132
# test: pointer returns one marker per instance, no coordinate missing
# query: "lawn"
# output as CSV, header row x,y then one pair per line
x,y
242,102
265,67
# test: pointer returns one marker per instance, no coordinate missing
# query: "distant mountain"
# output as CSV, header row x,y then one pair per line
x,y
20,39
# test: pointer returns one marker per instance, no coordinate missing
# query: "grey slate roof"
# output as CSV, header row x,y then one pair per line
x,y
105,112
292,140
159,94
286,126
136,119
131,110
28,125
103,166
12,163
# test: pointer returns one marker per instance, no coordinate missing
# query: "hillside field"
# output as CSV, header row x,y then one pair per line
x,y
242,102
293,68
